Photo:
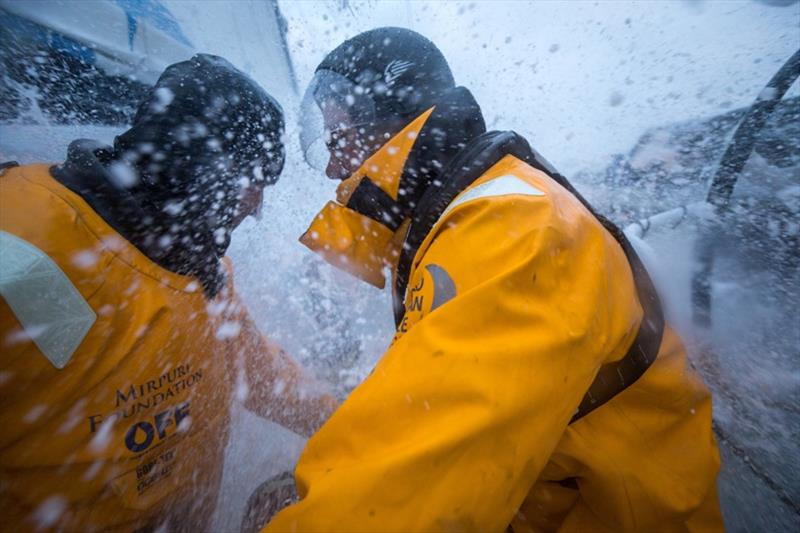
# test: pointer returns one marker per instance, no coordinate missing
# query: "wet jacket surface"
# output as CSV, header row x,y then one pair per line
x,y
131,431
515,299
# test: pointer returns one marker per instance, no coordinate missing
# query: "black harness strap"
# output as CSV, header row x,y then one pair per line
x,y
371,201
467,166
613,378
6,165
472,162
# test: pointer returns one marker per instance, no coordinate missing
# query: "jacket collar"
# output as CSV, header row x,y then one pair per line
x,y
169,237
362,230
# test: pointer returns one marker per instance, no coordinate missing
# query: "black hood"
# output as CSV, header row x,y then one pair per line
x,y
172,183
204,115
173,239
455,121
404,72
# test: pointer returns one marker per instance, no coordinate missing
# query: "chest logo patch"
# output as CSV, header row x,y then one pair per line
x,y
434,288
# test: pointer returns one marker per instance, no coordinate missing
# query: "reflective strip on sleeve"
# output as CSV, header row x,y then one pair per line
x,y
52,311
500,186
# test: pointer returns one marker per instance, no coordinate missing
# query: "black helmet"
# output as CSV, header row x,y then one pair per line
x,y
374,82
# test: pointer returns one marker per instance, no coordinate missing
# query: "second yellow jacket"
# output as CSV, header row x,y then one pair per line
x,y
516,298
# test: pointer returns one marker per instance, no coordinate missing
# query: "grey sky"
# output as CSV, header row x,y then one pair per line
x,y
582,79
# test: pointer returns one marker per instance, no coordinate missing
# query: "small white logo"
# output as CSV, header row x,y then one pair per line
x,y
395,69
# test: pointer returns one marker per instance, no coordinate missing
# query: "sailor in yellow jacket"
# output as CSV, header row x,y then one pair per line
x,y
123,341
532,384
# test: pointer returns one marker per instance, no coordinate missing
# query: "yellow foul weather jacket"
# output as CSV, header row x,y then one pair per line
x,y
116,374
517,298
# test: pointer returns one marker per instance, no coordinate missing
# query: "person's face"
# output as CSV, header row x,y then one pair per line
x,y
251,198
345,144
346,154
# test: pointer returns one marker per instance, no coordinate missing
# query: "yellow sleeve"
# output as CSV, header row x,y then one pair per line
x,y
279,389
269,381
459,417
